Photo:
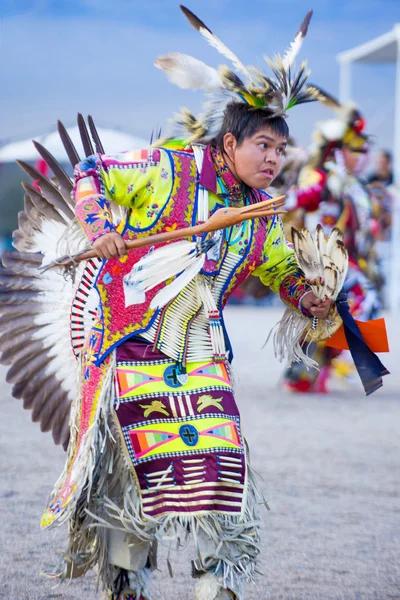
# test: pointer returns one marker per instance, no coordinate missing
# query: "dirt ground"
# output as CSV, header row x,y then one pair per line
x,y
330,469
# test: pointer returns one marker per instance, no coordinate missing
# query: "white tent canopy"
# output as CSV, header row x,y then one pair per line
x,y
383,49
113,142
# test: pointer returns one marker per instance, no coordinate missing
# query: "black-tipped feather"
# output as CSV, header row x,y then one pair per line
x,y
62,177
48,189
304,26
193,20
42,204
326,99
60,430
68,145
95,136
19,262
18,371
28,388
85,137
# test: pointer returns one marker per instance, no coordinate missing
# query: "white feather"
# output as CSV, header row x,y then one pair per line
x,y
307,254
320,239
159,265
173,289
340,259
336,235
293,50
166,252
155,276
188,72
330,277
179,259
224,50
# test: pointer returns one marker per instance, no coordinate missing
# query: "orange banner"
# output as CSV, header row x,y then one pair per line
x,y
373,332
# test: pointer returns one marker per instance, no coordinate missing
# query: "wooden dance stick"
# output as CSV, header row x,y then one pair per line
x,y
222,218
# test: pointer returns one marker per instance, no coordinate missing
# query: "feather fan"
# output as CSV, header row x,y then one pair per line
x,y
38,341
324,263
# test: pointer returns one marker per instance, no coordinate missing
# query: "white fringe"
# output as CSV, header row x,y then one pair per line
x,y
93,443
107,497
288,339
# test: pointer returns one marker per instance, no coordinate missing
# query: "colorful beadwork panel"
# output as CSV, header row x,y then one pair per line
x,y
181,433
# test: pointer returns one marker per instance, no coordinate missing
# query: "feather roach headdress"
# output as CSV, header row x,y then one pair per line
x,y
276,93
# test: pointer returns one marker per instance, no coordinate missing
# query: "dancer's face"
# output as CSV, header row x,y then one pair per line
x,y
355,162
256,161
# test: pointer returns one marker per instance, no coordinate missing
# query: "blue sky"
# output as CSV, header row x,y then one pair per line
x,y
59,57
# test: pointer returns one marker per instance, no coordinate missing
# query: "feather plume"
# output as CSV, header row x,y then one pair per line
x,y
262,81
19,261
187,128
214,111
278,94
25,390
49,412
326,99
290,89
150,277
188,72
214,41
231,80
235,85
294,48
289,92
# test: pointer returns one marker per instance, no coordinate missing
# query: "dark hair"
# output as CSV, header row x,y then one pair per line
x,y
243,121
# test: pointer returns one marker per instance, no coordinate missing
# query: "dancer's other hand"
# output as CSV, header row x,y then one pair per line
x,y
315,306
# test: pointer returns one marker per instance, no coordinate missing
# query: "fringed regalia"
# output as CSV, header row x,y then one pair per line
x,y
155,404
133,352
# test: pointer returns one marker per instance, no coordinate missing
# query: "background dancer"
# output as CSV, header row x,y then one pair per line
x,y
329,191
